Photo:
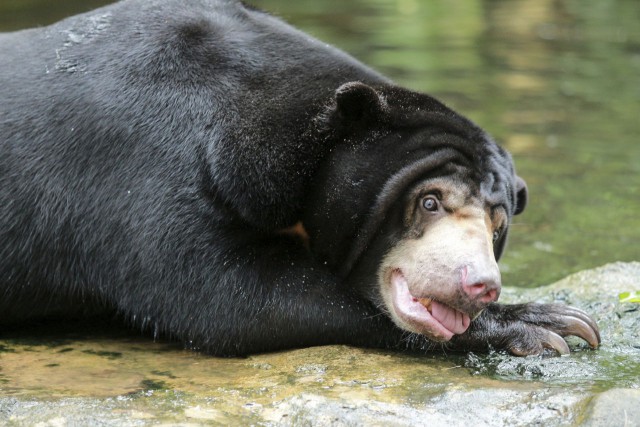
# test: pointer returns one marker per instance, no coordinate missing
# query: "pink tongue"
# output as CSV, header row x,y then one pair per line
x,y
451,319
438,321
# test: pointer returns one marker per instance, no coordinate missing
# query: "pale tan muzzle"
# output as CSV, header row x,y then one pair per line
x,y
451,263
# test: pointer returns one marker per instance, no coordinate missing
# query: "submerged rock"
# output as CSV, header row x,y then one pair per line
x,y
97,376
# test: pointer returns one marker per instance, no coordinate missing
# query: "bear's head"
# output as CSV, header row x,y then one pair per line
x,y
412,207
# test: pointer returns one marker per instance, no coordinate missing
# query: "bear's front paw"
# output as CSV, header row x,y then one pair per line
x,y
545,325
529,329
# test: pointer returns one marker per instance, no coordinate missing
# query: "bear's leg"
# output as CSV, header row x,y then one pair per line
x,y
247,294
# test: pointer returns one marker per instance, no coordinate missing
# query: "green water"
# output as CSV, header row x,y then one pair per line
x,y
556,82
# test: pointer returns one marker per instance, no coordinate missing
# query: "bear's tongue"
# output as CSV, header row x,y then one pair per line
x,y
450,318
428,316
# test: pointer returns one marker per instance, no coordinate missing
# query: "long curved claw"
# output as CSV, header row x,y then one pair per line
x,y
556,342
579,328
587,326
548,339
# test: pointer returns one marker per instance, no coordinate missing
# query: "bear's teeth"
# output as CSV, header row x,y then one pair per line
x,y
426,302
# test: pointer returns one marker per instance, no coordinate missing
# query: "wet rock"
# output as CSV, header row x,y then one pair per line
x,y
97,376
453,408
617,407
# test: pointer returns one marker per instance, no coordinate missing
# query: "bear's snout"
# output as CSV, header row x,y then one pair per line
x,y
483,286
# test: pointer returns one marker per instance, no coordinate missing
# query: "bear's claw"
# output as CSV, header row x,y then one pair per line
x,y
580,327
559,321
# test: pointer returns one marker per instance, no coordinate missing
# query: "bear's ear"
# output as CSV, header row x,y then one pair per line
x,y
522,195
356,101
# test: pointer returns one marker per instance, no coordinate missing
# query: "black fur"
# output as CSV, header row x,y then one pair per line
x,y
152,151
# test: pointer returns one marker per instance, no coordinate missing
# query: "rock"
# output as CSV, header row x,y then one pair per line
x,y
616,407
89,375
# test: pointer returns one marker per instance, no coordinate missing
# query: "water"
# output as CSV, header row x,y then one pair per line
x,y
556,82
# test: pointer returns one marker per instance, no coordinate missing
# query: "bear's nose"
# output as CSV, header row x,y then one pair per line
x,y
482,292
484,288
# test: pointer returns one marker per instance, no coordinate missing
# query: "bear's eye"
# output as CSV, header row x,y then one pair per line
x,y
496,235
430,203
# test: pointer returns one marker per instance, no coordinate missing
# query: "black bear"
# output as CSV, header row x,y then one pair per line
x,y
209,172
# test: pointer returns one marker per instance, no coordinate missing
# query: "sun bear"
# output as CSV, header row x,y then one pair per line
x,y
207,171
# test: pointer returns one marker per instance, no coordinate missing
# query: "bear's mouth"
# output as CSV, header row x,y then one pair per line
x,y
425,315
